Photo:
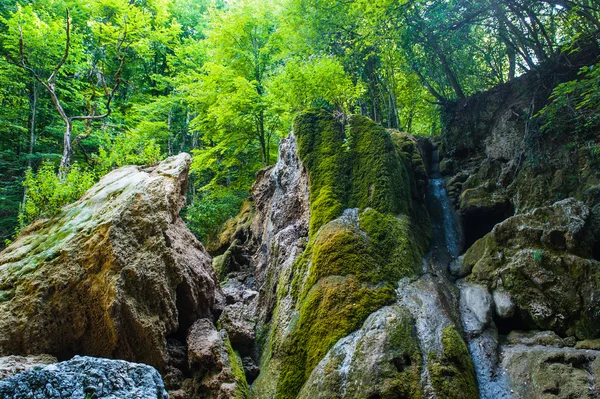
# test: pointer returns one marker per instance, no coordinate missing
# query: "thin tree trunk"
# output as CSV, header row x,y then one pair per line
x,y
33,98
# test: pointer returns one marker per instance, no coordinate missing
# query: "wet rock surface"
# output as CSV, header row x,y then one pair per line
x,y
112,275
216,370
86,377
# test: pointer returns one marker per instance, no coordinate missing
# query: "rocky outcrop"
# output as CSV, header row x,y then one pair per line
x,y
86,377
504,163
113,275
541,262
329,233
217,371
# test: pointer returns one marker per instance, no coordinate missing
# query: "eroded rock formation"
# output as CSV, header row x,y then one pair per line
x,y
113,275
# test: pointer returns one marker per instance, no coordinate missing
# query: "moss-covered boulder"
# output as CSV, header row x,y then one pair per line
x,y
363,239
542,372
112,275
543,259
381,359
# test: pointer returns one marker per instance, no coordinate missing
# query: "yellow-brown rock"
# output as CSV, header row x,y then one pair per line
x,y
112,275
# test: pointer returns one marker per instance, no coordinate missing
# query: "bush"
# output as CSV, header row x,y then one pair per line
x,y
209,210
48,192
575,105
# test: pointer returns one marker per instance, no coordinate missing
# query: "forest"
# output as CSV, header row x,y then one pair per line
x,y
90,86
300,199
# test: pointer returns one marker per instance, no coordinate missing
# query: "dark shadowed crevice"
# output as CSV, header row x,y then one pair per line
x,y
515,323
478,222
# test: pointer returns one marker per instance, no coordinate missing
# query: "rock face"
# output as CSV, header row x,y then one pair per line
x,y
86,377
543,261
551,372
504,163
328,235
217,371
111,275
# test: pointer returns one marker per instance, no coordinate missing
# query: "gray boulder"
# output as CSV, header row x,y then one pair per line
x,y
86,377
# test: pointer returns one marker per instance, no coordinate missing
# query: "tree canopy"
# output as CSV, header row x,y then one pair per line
x,y
89,86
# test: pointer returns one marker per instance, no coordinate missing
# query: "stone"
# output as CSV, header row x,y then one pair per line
x,y
543,260
541,372
532,338
11,365
503,304
238,320
381,358
111,275
475,307
446,167
204,345
86,377
458,268
216,368
250,369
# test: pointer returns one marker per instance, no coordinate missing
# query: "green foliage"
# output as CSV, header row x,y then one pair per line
x,y
48,192
212,208
575,105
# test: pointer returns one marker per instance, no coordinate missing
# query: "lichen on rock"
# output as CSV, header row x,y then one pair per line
x,y
112,275
543,260
362,242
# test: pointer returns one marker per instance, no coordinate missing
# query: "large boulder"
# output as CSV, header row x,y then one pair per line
x,y
112,275
86,377
542,262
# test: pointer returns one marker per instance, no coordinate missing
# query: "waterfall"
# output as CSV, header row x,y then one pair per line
x,y
447,244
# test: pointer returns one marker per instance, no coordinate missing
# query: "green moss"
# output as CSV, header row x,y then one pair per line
x,y
407,361
453,375
392,244
333,308
348,270
321,148
379,177
235,363
593,344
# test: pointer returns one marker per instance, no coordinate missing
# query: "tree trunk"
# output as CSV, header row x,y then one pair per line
x,y
33,98
67,155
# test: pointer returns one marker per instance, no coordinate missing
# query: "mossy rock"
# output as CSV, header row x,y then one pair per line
x,y
362,239
452,375
543,259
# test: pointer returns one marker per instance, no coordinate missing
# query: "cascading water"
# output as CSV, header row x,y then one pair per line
x,y
447,243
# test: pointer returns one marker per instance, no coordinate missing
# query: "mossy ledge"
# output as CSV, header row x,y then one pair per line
x,y
354,258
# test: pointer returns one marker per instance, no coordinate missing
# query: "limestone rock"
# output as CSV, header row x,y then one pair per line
x,y
239,322
503,304
11,365
543,260
216,368
86,377
382,359
111,275
532,338
542,372
475,307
